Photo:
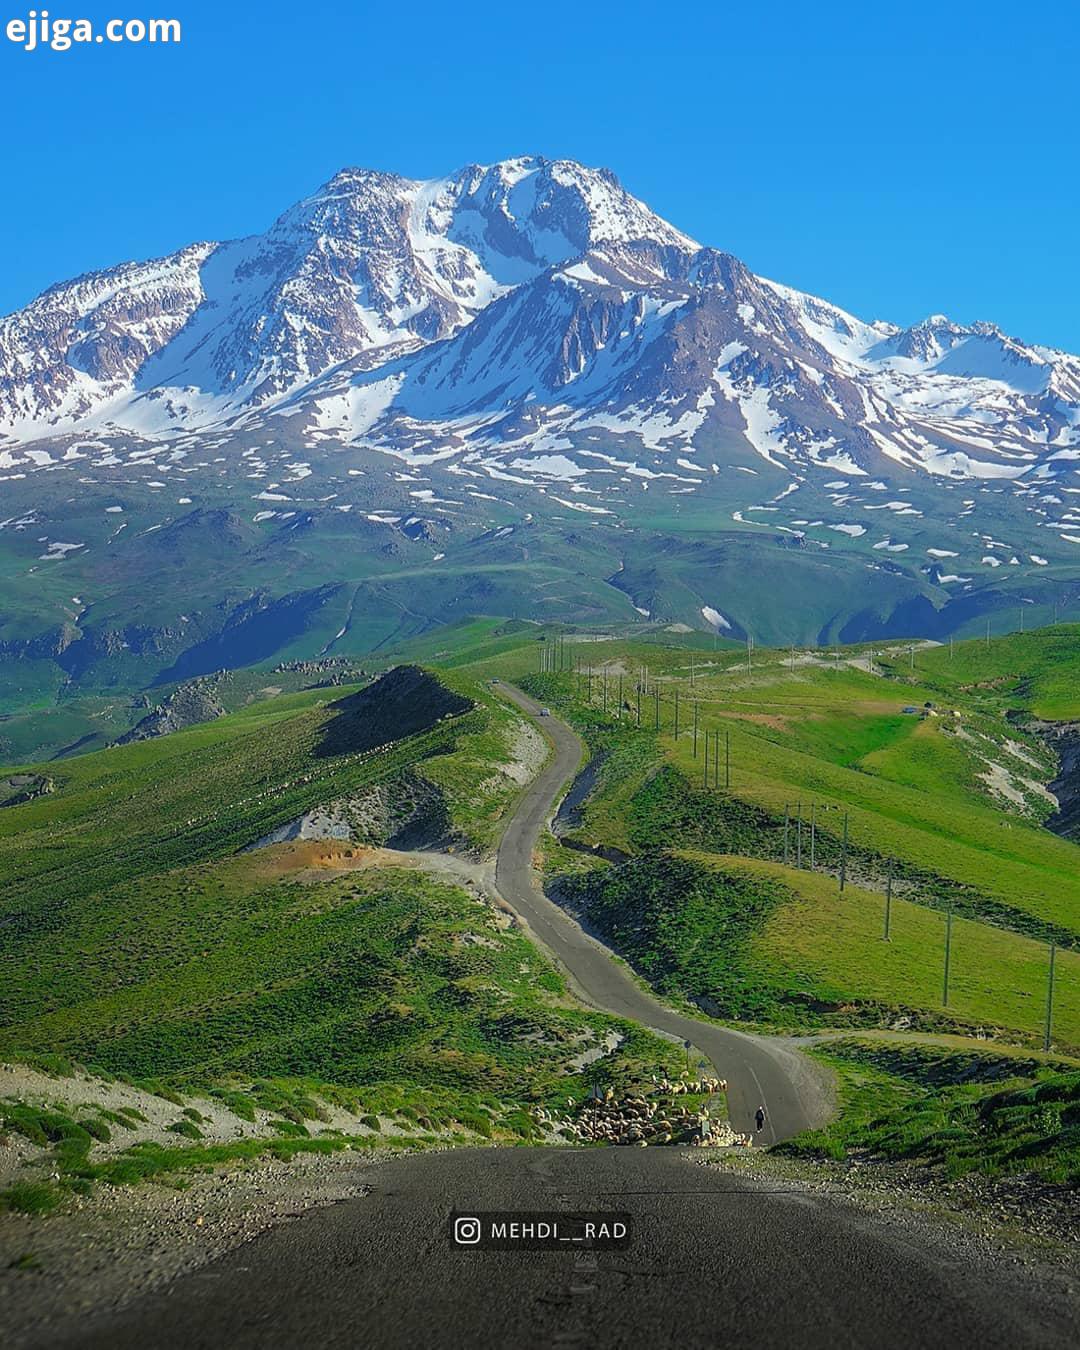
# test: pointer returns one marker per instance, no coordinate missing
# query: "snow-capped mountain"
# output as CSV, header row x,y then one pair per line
x,y
371,265
508,318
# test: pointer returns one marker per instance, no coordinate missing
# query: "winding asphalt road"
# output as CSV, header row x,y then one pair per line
x,y
715,1259
759,1071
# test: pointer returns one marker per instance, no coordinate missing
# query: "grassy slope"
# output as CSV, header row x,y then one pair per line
x,y
202,793
1037,671
138,940
958,1111
756,941
907,799
997,978
837,734
375,976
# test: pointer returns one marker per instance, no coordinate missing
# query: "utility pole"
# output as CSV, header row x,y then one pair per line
x,y
948,956
787,834
798,836
888,905
604,678
639,703
1049,1000
952,640
912,652
716,758
727,759
620,692
676,712
988,635
843,856
695,727
813,835
656,699
705,766
793,658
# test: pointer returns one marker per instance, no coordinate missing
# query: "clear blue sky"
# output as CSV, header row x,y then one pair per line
x,y
898,159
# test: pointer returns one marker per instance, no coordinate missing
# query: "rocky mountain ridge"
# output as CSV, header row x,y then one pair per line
x,y
508,318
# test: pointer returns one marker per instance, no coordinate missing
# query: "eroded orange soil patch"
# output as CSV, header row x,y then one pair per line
x,y
322,855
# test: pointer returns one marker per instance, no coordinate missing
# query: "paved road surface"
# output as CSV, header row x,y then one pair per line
x,y
758,1070
715,1261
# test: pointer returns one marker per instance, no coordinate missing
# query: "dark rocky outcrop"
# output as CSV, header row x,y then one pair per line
x,y
403,702
1064,739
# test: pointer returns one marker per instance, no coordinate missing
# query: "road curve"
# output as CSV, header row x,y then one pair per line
x,y
715,1260
759,1071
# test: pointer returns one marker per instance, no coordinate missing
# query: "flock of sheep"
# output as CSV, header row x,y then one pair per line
x,y
641,1119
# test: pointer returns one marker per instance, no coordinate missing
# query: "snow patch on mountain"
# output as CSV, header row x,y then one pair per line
x,y
528,322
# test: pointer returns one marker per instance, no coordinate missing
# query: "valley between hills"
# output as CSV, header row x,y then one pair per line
x,y
293,933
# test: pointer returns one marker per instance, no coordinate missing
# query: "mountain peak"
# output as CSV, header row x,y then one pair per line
x,y
354,176
509,302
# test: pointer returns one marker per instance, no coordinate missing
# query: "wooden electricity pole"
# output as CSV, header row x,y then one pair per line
x,y
813,835
843,856
1049,1000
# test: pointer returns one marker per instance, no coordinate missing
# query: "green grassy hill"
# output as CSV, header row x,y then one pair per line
x,y
142,938
954,801
138,936
247,968
956,1111
143,808
940,780
754,941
